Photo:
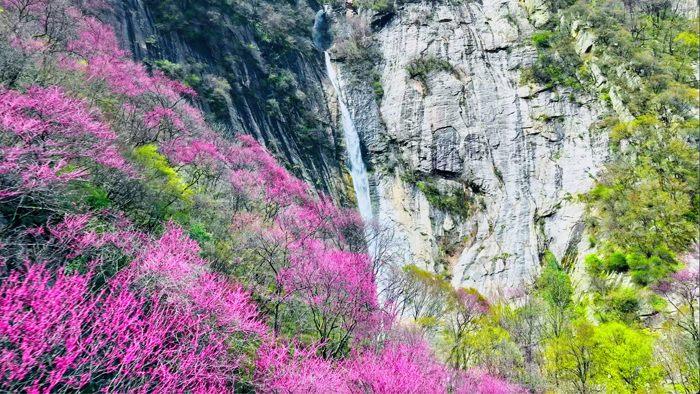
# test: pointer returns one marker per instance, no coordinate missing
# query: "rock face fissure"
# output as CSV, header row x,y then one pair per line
x,y
358,170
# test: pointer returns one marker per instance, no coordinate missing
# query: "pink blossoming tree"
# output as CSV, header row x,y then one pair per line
x,y
51,138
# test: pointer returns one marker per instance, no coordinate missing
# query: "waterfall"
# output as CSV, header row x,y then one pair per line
x,y
358,171
321,32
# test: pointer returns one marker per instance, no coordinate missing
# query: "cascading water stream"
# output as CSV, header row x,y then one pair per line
x,y
358,171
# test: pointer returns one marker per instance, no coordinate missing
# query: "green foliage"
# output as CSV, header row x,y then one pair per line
x,y
378,90
688,42
554,283
617,262
455,201
282,81
626,359
159,170
643,270
555,5
380,6
377,87
215,90
199,233
431,280
94,196
420,68
173,70
569,358
622,304
541,39
612,356
555,288
490,346
648,270
555,67
646,199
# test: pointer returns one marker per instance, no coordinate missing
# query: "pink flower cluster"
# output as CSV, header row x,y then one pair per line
x,y
56,335
158,115
59,334
294,369
52,135
479,381
338,285
100,57
280,186
173,267
398,368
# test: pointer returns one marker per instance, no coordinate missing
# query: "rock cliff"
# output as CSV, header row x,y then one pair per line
x,y
454,116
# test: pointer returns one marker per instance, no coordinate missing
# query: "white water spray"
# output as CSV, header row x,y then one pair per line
x,y
358,171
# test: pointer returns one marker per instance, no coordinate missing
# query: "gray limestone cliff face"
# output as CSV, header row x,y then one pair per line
x,y
246,81
524,153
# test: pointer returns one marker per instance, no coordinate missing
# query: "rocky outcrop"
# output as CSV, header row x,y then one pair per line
x,y
522,152
538,11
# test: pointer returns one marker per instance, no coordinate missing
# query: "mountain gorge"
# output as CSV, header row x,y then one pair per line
x,y
361,196
518,155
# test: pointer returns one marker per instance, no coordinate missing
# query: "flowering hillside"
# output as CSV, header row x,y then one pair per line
x,y
144,251
145,248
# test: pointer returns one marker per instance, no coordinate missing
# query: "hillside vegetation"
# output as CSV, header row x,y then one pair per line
x,y
143,250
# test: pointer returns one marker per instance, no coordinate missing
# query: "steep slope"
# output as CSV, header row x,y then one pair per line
x,y
255,69
455,121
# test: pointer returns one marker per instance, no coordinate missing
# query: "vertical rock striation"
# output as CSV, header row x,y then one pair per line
x,y
522,152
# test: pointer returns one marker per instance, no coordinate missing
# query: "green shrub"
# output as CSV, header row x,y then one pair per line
x,y
622,304
173,70
554,284
541,39
162,175
95,196
594,265
380,6
455,201
378,90
193,80
420,68
377,87
643,270
616,262
648,270
557,67
199,233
